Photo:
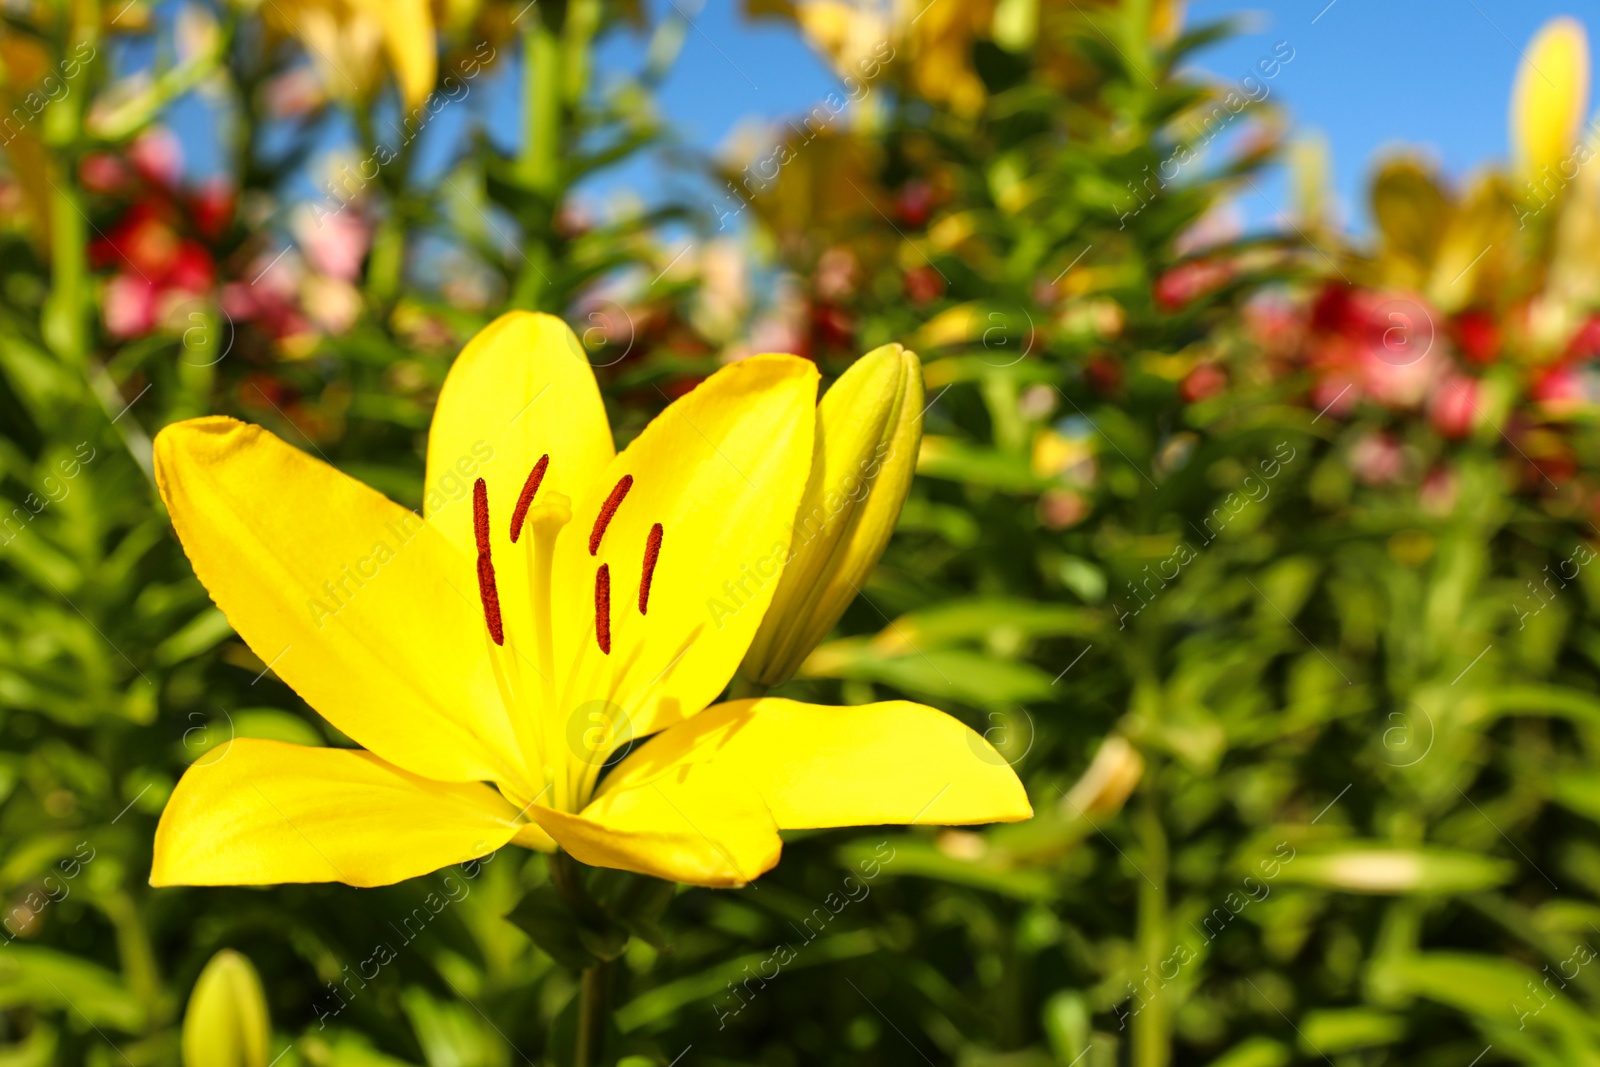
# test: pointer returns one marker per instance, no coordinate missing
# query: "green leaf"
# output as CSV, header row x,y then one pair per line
x,y
938,674
203,633
974,620
1383,870
1334,1031
42,977
1255,1052
947,457
544,916
918,857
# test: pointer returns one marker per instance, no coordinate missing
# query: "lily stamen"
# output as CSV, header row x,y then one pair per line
x,y
602,608
608,509
652,553
487,592
525,500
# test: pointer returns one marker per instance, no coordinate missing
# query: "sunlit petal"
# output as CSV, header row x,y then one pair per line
x,y
817,766
352,600
261,812
708,832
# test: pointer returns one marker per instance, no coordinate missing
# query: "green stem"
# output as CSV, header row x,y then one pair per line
x,y
386,262
1152,1036
593,1009
138,958
593,995
538,166
65,314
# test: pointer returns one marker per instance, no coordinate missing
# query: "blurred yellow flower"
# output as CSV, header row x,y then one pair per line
x,y
1550,97
350,41
861,37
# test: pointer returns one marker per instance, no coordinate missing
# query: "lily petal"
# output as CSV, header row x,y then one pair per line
x,y
255,812
721,470
358,605
818,766
710,831
521,389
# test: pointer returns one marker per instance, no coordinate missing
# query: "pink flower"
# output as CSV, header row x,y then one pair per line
x,y
1335,396
1377,459
1188,282
128,306
1440,490
1454,406
102,172
157,156
335,243
1558,390
1202,383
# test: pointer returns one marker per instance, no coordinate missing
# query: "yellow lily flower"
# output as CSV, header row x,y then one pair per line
x,y
1549,98
551,608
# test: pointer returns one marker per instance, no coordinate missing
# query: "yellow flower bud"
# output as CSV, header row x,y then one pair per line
x,y
226,1024
869,426
1549,98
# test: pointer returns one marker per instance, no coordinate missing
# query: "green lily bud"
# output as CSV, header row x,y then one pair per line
x,y
869,427
226,1024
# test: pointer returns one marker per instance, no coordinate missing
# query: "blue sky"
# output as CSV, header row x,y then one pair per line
x,y
1366,74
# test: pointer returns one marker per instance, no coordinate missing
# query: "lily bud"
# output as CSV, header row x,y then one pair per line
x,y
869,427
226,1024
1549,100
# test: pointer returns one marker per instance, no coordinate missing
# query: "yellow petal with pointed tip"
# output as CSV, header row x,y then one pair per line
x,y
817,766
257,812
1550,97
362,608
708,831
721,470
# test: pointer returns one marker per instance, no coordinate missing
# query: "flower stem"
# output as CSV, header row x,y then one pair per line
x,y
594,994
1151,1027
539,163
593,1008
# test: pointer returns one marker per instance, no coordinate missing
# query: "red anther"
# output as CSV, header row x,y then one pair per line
x,y
480,515
525,501
491,599
608,509
652,552
486,587
602,608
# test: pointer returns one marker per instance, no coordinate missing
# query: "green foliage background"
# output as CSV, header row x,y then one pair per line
x,y
1364,831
